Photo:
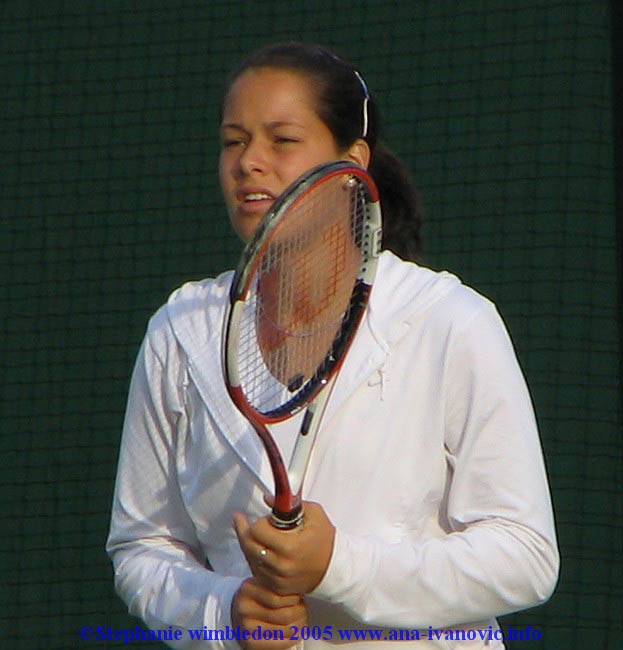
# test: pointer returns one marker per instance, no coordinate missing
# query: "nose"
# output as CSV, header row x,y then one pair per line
x,y
253,158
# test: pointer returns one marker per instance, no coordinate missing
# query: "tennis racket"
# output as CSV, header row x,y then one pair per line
x,y
297,298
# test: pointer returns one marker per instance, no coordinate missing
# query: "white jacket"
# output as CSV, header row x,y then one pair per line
x,y
428,462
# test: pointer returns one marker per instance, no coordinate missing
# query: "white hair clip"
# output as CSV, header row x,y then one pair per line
x,y
365,104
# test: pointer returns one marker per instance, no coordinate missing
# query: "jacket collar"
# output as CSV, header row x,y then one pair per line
x,y
197,313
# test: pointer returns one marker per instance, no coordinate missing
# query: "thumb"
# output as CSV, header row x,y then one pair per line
x,y
241,525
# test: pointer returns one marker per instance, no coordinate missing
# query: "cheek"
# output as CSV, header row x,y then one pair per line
x,y
303,161
225,179
327,152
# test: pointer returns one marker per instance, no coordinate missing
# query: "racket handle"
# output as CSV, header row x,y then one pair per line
x,y
287,520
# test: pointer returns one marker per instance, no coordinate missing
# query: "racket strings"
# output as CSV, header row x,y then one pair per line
x,y
306,314
301,297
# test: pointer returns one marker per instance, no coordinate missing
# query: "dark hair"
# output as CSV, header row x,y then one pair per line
x,y
341,97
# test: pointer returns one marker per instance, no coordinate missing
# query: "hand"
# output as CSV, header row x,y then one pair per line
x,y
256,606
288,561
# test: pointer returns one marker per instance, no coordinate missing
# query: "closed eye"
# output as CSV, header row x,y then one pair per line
x,y
231,142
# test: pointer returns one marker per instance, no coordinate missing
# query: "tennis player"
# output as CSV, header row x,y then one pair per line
x,y
426,500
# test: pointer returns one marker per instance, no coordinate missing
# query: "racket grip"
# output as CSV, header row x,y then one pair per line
x,y
287,520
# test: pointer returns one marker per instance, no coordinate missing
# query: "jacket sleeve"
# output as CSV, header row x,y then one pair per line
x,y
500,553
160,570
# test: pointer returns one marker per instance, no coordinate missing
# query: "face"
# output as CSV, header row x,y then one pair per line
x,y
270,135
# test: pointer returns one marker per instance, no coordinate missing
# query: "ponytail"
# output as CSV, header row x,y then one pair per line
x,y
400,204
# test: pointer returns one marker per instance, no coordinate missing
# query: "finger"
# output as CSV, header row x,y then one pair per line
x,y
248,613
253,590
281,636
282,616
264,535
254,544
254,606
254,552
241,526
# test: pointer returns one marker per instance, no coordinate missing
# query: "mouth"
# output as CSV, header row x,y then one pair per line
x,y
257,196
254,202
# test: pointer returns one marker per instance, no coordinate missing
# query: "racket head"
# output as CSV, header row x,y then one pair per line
x,y
300,291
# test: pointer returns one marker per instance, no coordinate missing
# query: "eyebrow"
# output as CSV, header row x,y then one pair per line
x,y
271,125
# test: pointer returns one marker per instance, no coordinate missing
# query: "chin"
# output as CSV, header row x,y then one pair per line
x,y
247,230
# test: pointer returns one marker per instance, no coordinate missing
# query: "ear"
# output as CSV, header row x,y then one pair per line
x,y
359,153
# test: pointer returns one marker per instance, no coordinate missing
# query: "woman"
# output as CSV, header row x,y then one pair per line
x,y
427,504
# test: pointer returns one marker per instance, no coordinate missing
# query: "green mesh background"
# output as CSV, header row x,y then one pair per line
x,y
503,110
